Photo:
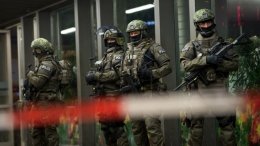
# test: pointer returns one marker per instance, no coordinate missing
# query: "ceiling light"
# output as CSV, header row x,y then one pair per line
x,y
141,8
68,30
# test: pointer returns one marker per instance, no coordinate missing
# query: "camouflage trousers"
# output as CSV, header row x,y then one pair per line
x,y
45,136
148,132
114,133
227,134
226,123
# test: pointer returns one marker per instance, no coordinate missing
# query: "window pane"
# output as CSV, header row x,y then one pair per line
x,y
67,45
146,15
63,37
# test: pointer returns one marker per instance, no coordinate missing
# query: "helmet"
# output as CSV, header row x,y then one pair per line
x,y
114,33
203,15
136,25
42,46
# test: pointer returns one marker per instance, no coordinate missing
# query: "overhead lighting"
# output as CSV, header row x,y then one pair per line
x,y
141,8
68,30
150,23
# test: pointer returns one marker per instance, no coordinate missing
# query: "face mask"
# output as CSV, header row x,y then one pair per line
x,y
207,32
36,52
136,39
110,44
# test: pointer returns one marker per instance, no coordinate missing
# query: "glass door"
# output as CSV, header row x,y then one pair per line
x,y
6,95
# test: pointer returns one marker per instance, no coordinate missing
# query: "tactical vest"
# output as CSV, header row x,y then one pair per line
x,y
202,47
138,57
111,62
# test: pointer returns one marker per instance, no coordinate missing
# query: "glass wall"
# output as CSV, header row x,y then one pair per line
x,y
63,38
6,100
243,16
124,14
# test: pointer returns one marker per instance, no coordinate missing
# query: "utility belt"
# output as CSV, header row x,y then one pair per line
x,y
154,86
112,92
147,82
213,75
47,96
101,91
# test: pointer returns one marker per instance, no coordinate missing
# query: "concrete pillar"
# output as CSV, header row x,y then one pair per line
x,y
27,25
26,58
105,16
166,35
44,24
84,36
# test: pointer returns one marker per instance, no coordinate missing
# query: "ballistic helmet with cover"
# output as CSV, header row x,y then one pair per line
x,y
114,33
42,46
201,16
136,25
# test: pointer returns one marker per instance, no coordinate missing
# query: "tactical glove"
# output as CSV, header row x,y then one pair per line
x,y
213,60
30,73
91,78
145,74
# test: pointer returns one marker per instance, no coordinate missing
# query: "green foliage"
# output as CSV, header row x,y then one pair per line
x,y
184,134
242,131
247,78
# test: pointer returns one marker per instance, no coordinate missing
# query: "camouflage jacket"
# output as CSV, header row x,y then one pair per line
x,y
45,77
108,71
147,54
193,56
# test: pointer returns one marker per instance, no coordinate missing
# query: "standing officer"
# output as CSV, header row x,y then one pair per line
x,y
45,80
195,56
146,62
107,84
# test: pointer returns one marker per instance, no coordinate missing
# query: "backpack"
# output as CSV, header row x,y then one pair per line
x,y
66,73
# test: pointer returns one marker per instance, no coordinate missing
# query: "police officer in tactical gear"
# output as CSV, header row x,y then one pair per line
x,y
107,80
45,79
195,56
146,62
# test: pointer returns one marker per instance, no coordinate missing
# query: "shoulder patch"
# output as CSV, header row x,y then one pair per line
x,y
186,47
45,67
161,51
119,57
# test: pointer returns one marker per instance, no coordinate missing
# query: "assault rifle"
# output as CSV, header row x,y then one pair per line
x,y
28,92
219,49
131,84
28,89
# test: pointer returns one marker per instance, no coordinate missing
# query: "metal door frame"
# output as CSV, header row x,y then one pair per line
x,y
9,104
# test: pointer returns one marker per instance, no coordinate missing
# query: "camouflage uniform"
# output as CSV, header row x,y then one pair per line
x,y
107,81
45,79
195,56
147,62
